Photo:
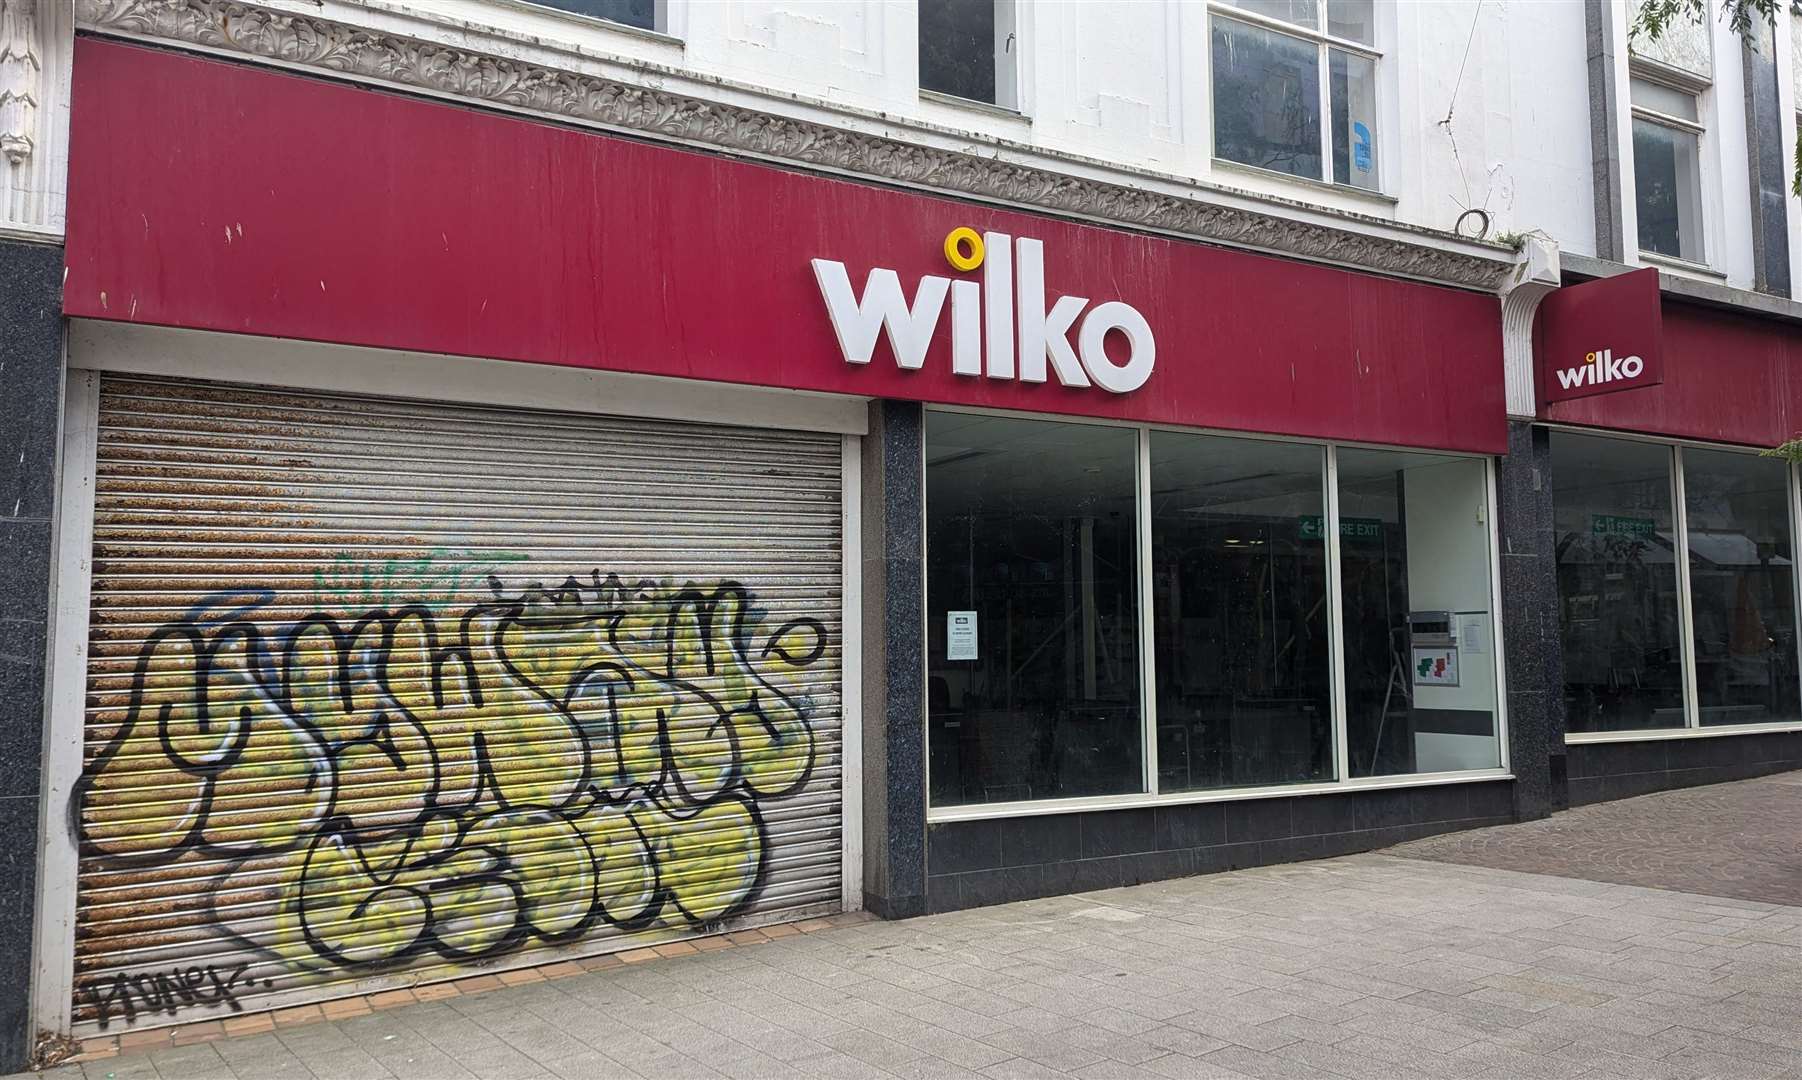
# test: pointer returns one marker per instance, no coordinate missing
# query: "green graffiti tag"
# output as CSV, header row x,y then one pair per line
x,y
433,580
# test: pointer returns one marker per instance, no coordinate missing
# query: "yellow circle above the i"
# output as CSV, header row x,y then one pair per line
x,y
963,248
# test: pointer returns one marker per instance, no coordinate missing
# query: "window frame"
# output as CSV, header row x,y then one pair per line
x,y
1697,88
1341,762
1324,43
1692,714
1006,53
664,19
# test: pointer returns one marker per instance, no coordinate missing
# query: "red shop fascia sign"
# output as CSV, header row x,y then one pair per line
x,y
1600,337
253,201
1618,354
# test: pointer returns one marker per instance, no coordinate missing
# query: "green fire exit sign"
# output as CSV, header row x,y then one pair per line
x,y
1614,525
1313,527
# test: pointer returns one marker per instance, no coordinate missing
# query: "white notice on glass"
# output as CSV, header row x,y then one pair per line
x,y
1472,633
960,635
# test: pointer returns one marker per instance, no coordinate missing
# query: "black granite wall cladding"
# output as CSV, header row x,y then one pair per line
x,y
1619,770
1535,663
894,677
1604,56
973,863
1767,166
31,375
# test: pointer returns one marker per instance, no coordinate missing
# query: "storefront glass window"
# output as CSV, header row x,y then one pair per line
x,y
1033,687
1619,608
1419,627
1741,583
1048,678
1240,614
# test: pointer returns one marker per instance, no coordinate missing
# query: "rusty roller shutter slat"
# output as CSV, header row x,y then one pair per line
x,y
384,692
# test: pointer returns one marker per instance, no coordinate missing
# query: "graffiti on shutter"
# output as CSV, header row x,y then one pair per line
x,y
414,781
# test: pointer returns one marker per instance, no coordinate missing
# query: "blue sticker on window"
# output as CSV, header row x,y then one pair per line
x,y
1361,148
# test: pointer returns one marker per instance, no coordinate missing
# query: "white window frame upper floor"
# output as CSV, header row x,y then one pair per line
x,y
545,21
1707,212
1012,19
660,27
1384,88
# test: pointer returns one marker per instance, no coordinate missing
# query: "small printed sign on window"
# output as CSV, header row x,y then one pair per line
x,y
960,635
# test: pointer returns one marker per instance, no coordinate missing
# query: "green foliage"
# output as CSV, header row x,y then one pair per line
x,y
1795,183
1654,16
1790,451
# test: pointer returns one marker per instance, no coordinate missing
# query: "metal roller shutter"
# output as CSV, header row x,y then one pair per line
x,y
382,692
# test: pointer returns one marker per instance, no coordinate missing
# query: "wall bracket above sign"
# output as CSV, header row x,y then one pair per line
x,y
1600,337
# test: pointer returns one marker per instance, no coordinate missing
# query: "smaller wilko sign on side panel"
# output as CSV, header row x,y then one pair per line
x,y
1600,337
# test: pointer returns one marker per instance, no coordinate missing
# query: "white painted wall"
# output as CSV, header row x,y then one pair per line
x,y
35,48
1448,570
1128,84
1535,122
1728,205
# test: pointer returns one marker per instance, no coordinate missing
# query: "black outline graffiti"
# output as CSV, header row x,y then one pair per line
x,y
165,991
698,637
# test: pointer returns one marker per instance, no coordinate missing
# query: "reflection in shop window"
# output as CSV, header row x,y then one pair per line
x,y
1038,686
1742,587
1419,627
1033,688
1619,609
1239,583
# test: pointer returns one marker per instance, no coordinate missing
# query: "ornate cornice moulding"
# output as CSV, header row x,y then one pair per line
x,y
339,48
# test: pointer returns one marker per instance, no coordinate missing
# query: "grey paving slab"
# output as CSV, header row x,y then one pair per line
x,y
1739,842
1367,966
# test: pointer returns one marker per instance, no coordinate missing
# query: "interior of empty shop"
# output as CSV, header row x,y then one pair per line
x,y
1119,610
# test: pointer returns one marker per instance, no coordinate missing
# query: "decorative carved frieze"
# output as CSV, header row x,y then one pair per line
x,y
21,77
230,26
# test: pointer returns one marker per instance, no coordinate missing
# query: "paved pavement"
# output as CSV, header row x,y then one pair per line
x,y
1742,840
1368,966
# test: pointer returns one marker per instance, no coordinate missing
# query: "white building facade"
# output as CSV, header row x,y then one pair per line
x,y
504,482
